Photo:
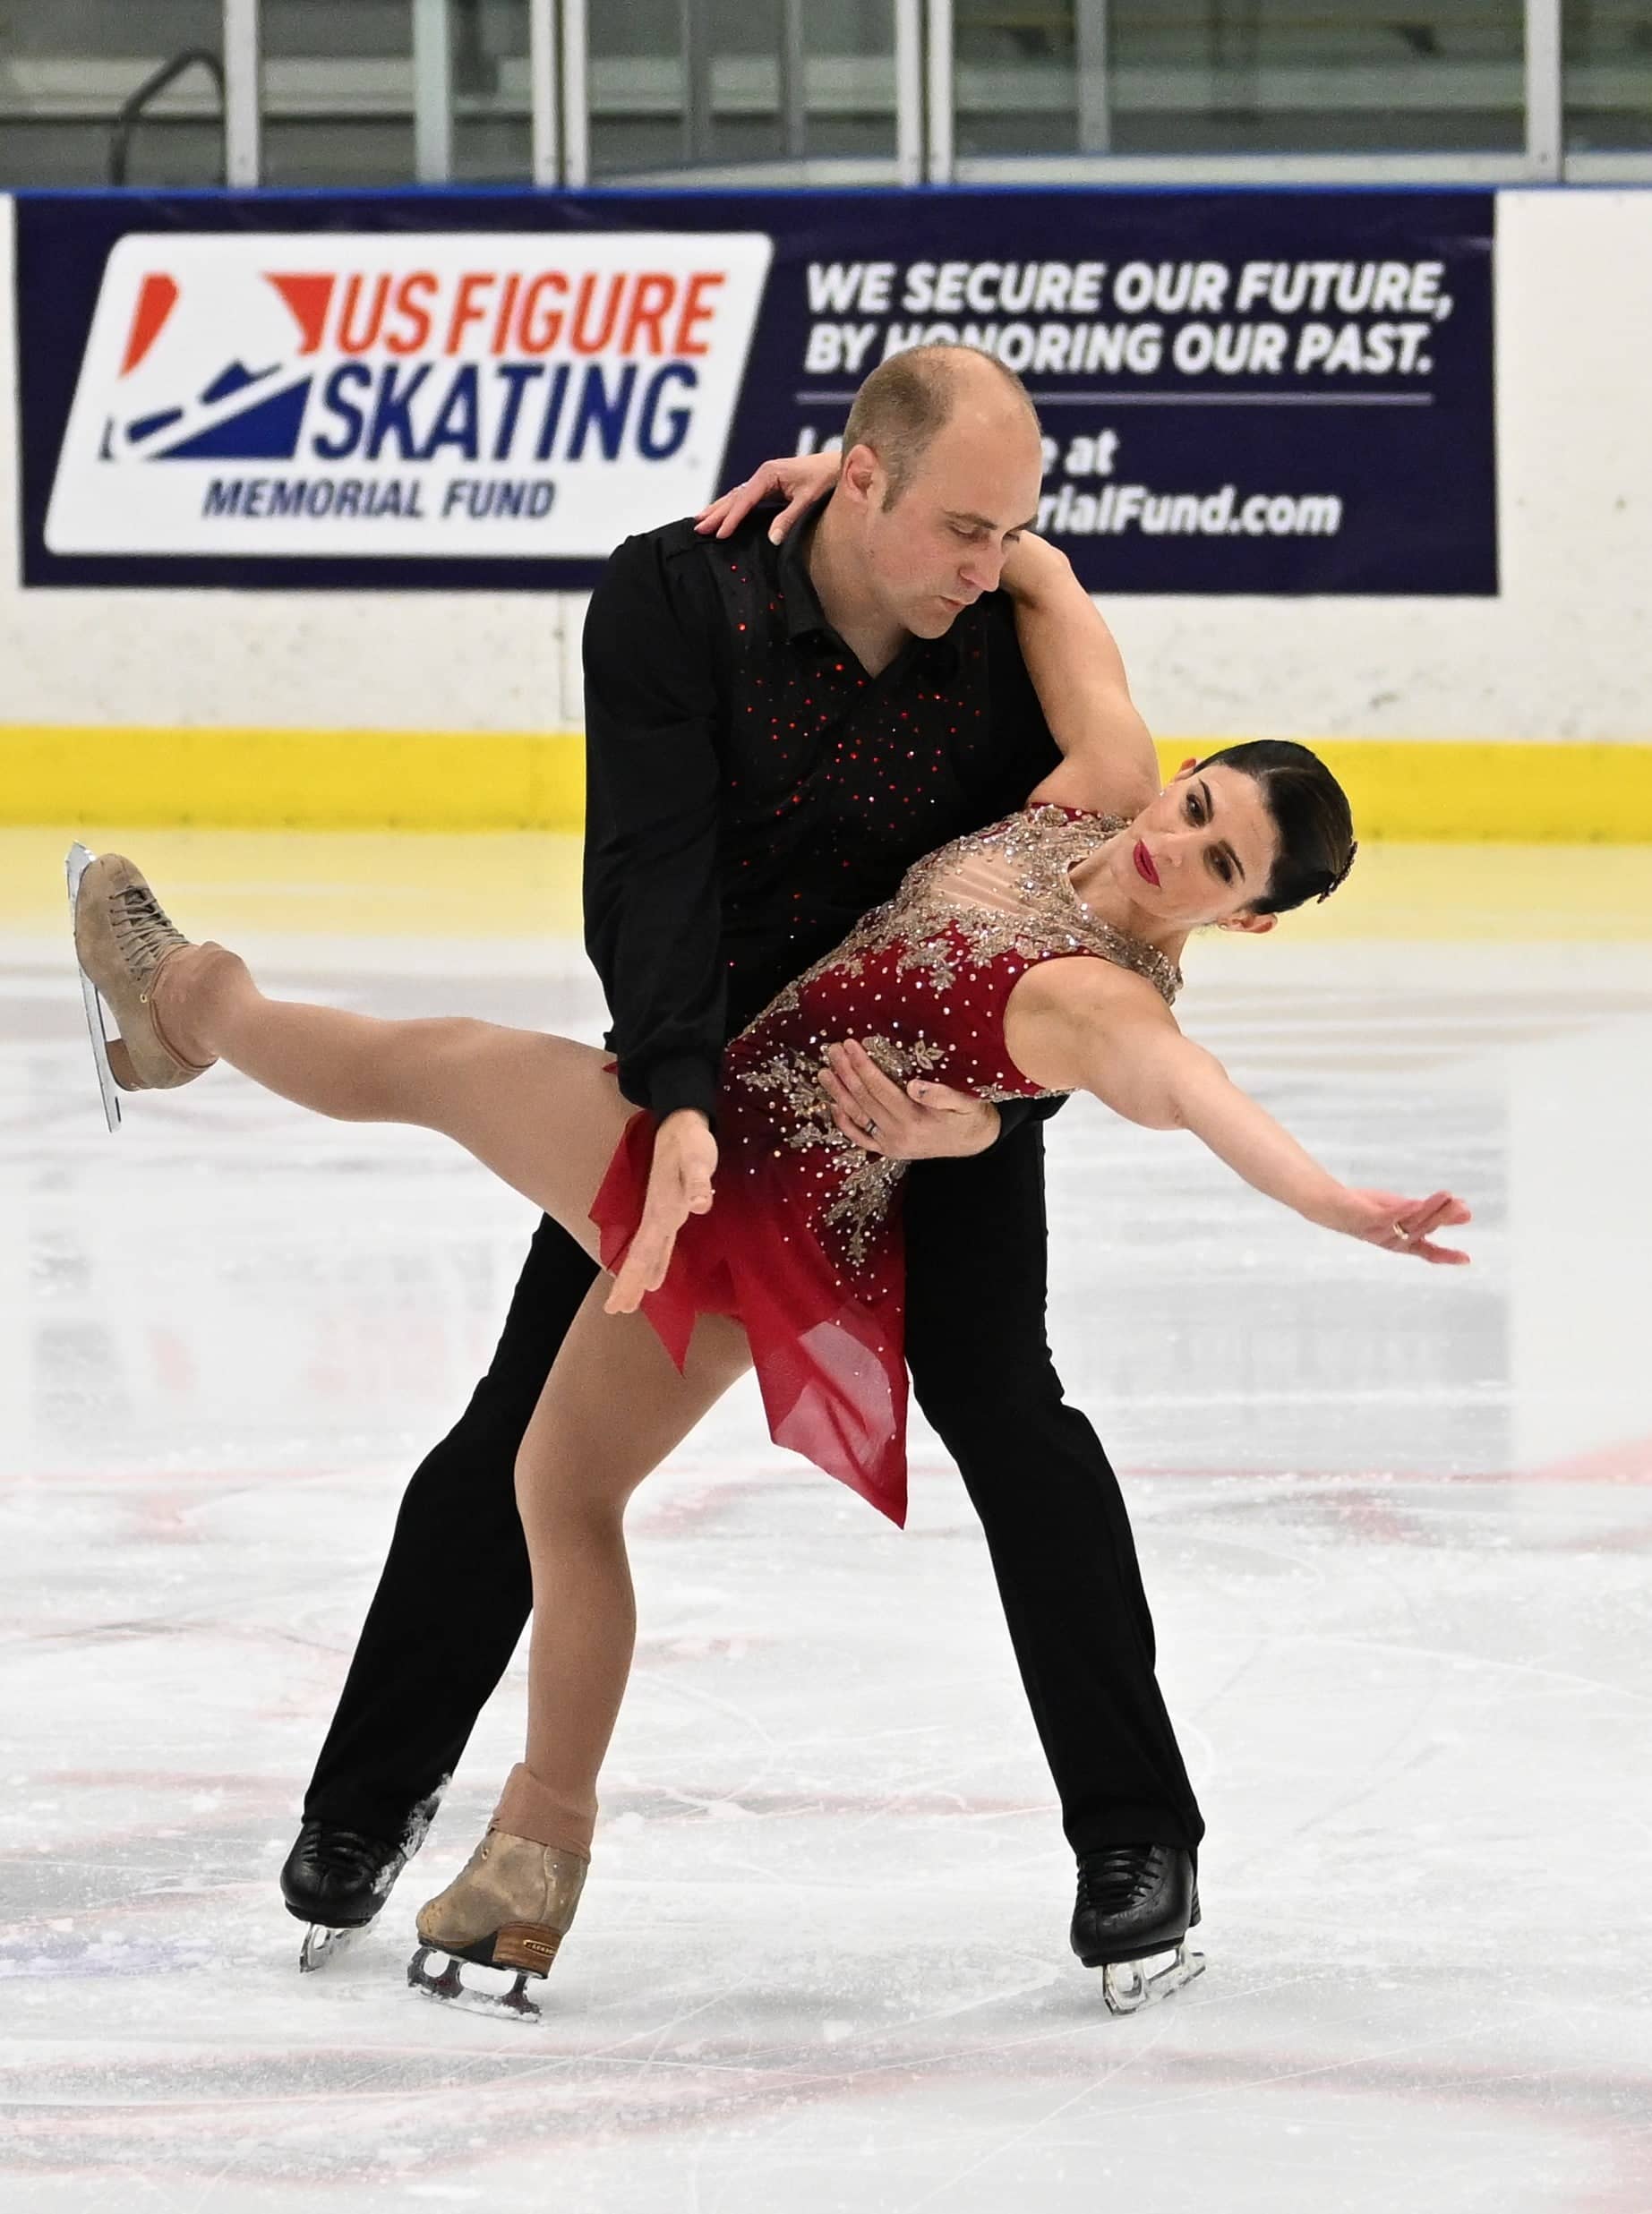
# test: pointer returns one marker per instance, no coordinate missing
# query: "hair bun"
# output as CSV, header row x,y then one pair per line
x,y
1335,882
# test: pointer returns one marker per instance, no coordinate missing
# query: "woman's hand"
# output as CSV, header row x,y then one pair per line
x,y
923,1123
799,480
685,1159
1400,1226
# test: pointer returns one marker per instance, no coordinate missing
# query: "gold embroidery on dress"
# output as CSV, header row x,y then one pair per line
x,y
867,1180
1044,845
940,922
1041,847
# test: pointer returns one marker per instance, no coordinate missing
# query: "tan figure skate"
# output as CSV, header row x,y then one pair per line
x,y
123,940
510,1907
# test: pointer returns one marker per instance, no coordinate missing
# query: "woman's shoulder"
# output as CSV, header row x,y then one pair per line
x,y
1099,985
1061,1013
1078,786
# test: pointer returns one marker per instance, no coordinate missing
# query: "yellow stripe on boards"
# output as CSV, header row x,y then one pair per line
x,y
294,780
455,781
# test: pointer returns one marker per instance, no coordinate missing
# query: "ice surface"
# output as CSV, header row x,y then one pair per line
x,y
1397,1526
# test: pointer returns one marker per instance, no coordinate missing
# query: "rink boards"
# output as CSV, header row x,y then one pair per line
x,y
1523,715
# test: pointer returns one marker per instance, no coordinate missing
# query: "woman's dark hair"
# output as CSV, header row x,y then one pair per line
x,y
1310,813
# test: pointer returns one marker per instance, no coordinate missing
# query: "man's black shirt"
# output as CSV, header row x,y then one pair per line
x,y
751,791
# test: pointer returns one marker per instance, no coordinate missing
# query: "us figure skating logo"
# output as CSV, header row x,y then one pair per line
x,y
412,393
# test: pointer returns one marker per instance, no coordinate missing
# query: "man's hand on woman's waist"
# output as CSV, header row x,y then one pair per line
x,y
923,1122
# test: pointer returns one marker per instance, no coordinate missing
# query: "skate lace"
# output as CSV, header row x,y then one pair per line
x,y
357,1855
1113,1876
141,927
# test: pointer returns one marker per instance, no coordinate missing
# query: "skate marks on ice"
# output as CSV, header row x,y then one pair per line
x,y
828,1968
821,1963
792,2083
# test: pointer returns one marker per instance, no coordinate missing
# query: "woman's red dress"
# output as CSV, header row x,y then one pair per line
x,y
803,1244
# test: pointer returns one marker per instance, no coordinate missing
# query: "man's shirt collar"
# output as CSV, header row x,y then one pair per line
x,y
805,616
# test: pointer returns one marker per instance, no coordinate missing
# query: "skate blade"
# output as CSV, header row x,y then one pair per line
x,y
323,1944
450,1987
1128,1986
78,862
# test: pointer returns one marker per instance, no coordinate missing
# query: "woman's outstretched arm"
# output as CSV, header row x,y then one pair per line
x,y
1108,757
1123,1045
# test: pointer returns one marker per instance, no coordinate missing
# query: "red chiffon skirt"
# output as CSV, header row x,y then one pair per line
x,y
827,1341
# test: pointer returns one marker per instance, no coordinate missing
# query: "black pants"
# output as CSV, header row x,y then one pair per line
x,y
456,1591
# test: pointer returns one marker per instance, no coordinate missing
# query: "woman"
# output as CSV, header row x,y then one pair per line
x,y
1037,956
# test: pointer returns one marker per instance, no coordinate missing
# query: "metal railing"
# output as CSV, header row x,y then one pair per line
x,y
158,80
908,104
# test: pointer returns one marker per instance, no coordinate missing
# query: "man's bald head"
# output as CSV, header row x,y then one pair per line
x,y
910,399
942,463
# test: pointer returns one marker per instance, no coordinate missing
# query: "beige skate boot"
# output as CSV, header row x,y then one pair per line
x,y
510,1906
123,941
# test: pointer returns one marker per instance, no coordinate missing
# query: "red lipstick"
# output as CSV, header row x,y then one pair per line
x,y
1144,863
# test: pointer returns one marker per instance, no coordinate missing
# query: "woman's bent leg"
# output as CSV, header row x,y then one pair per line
x,y
612,1408
536,1110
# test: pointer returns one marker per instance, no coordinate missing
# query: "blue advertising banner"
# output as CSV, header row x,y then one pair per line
x,y
1241,391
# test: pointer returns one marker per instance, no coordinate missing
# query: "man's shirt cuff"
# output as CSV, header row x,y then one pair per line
x,y
686,1081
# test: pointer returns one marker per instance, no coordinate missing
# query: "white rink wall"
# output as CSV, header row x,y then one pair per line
x,y
1564,654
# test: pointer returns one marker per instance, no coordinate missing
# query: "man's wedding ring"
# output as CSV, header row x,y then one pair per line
x,y
871,1130
1402,1234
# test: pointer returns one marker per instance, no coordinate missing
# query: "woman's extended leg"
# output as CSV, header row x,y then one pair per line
x,y
537,1110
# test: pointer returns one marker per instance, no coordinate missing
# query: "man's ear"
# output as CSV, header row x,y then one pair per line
x,y
1253,926
859,475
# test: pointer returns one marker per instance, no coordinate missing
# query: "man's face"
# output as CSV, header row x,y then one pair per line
x,y
942,543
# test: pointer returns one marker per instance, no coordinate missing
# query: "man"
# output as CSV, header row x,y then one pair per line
x,y
774,735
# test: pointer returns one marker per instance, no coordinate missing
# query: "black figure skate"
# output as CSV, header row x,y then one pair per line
x,y
1136,1902
338,1879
